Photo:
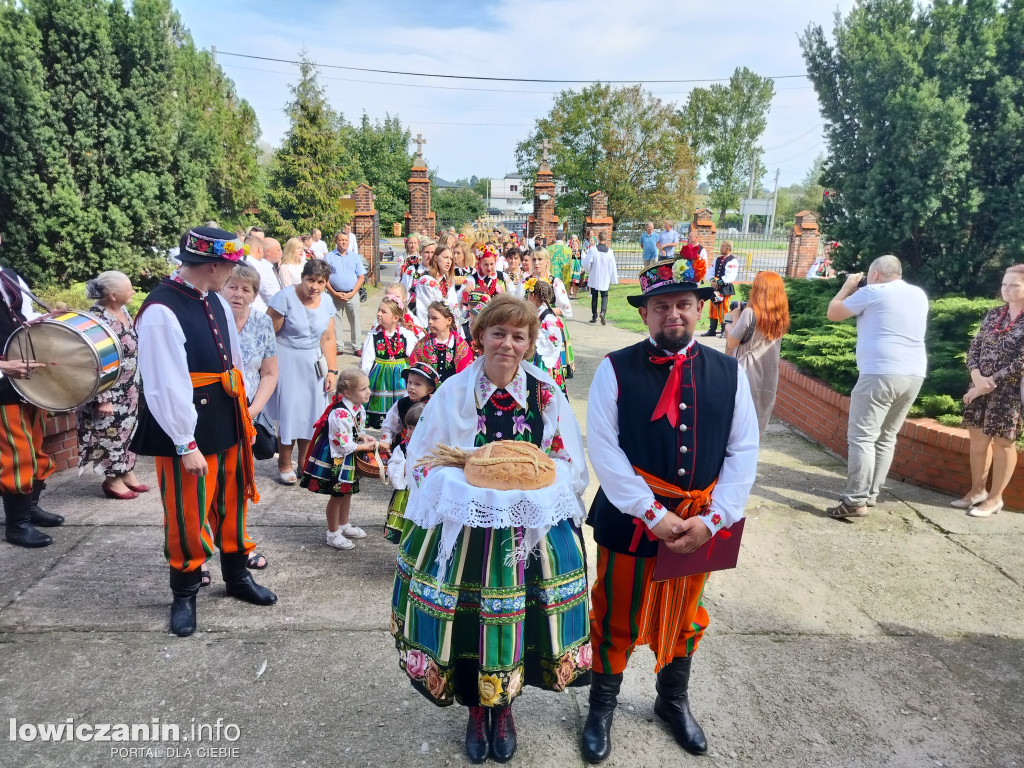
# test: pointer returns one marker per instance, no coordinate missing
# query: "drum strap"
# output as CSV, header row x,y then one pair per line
x,y
234,385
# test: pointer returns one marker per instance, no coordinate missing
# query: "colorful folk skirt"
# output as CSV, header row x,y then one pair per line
x,y
568,358
386,388
577,271
489,625
396,522
321,475
557,374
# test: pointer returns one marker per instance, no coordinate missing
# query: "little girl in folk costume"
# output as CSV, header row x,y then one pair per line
x,y
442,348
551,338
397,292
385,356
395,527
330,464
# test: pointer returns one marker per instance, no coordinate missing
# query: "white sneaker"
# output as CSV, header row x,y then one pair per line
x,y
337,540
352,532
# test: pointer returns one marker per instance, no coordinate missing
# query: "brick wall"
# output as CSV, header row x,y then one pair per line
x,y
419,217
703,221
598,219
803,244
543,222
927,453
60,439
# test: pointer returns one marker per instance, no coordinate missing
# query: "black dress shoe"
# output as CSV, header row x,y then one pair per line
x,y
672,705
240,583
596,741
593,320
39,515
184,587
477,742
709,334
18,529
503,734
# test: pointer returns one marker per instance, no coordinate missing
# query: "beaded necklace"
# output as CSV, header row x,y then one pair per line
x,y
503,402
399,348
1001,318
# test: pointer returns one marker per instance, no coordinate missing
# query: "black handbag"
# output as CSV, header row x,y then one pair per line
x,y
266,442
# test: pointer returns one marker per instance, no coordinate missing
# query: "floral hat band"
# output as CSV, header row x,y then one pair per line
x,y
203,245
672,277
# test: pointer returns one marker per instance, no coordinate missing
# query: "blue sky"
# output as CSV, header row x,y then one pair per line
x,y
472,127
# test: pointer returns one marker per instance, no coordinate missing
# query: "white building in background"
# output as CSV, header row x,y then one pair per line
x,y
506,195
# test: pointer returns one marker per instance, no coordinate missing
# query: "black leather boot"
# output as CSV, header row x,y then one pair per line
x,y
184,587
17,522
713,330
477,742
39,515
239,581
503,734
596,742
672,705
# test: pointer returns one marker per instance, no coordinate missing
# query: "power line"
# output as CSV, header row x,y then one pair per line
x,y
481,77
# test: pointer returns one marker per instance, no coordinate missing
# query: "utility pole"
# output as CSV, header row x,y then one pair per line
x,y
750,191
213,53
775,202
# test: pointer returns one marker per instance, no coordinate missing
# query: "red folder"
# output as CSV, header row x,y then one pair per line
x,y
719,553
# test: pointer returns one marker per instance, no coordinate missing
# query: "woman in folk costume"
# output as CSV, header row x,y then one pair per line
x,y
551,338
515,275
443,349
541,263
726,269
482,285
410,257
672,436
417,267
463,624
438,284
385,355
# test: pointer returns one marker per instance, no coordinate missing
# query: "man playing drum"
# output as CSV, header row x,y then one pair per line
x,y
197,424
673,438
23,464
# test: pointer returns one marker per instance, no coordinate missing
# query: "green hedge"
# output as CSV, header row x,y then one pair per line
x,y
827,350
74,297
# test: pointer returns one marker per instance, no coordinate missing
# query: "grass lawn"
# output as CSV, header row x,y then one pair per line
x,y
622,315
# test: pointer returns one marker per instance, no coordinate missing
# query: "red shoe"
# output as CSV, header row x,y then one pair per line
x,y
137,488
110,493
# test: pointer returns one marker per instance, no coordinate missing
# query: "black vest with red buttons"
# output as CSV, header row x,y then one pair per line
x,y
689,455
208,350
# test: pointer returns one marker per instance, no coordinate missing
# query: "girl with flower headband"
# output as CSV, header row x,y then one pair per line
x,y
397,292
385,356
561,307
551,338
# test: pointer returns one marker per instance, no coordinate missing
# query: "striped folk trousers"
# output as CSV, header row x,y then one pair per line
x,y
631,609
22,460
201,513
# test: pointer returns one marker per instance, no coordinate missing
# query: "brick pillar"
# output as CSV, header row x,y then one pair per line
x,y
365,228
598,219
419,217
804,240
543,222
703,222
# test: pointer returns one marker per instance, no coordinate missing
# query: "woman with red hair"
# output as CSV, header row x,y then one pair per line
x,y
755,339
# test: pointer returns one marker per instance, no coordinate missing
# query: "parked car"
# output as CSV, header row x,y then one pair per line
x,y
494,211
385,252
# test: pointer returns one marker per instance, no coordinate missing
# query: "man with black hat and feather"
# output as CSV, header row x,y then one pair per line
x,y
672,435
196,422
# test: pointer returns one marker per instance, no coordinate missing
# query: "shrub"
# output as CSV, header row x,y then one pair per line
x,y
74,297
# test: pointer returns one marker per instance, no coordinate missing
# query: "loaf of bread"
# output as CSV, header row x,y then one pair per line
x,y
508,465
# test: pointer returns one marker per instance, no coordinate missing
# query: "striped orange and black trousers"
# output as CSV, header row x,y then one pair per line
x,y
22,460
629,608
201,513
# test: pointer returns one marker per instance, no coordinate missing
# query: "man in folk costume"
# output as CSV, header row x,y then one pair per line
x,y
673,438
23,463
196,422
727,267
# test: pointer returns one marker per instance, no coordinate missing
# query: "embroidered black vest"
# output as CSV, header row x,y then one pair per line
x,y
720,264
207,350
393,349
10,320
690,455
505,419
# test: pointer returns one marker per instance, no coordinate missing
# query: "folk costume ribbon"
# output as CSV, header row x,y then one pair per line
x,y
691,503
234,385
668,403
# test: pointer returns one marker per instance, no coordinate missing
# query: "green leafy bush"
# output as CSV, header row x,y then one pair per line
x,y
74,297
828,350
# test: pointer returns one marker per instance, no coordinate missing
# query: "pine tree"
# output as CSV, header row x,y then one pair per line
x,y
382,150
315,165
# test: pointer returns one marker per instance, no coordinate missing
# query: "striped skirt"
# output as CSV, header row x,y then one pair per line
x,y
321,474
396,522
386,386
568,358
487,626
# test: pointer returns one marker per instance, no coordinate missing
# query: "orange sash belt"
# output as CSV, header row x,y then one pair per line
x,y
691,503
234,385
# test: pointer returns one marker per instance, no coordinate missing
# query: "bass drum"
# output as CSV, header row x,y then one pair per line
x,y
82,358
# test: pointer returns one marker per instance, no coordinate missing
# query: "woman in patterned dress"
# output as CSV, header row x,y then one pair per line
x,y
438,284
107,424
551,338
385,355
541,269
992,415
463,623
442,348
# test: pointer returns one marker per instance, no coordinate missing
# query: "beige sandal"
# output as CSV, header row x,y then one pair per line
x,y
841,511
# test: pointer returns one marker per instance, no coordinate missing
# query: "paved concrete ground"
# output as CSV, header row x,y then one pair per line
x,y
895,640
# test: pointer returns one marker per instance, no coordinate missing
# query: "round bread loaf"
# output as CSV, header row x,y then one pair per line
x,y
509,465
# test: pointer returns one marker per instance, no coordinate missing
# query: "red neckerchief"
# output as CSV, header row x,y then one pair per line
x,y
668,403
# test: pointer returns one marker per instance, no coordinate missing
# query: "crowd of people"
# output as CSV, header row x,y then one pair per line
x,y
470,351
